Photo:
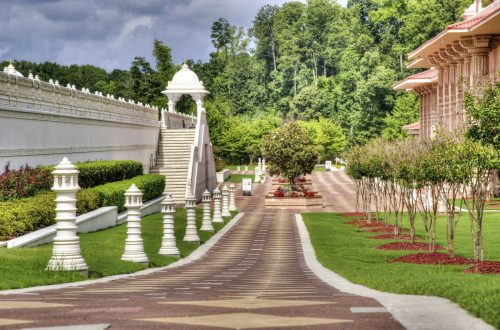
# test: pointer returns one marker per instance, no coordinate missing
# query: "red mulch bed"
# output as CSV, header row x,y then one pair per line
x,y
485,267
366,224
353,214
435,258
407,246
403,237
389,229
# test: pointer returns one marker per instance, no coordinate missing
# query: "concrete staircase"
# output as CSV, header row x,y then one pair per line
x,y
174,152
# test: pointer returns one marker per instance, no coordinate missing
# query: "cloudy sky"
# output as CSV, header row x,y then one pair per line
x,y
109,33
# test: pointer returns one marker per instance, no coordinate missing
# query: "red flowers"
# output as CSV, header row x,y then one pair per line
x,y
25,182
293,191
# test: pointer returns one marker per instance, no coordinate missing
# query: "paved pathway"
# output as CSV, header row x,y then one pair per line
x,y
254,277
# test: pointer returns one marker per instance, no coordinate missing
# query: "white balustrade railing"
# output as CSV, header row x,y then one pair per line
x,y
36,96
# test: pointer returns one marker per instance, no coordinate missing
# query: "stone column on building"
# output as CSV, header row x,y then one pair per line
x,y
436,61
168,243
66,248
478,48
191,231
225,202
206,224
134,247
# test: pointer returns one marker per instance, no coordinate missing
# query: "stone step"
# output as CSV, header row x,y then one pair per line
x,y
177,168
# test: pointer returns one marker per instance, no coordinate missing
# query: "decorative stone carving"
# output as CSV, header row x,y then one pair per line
x,y
66,249
168,243
206,224
191,231
225,202
134,248
232,197
217,206
257,175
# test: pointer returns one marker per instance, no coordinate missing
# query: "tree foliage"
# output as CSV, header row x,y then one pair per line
x,y
289,151
299,61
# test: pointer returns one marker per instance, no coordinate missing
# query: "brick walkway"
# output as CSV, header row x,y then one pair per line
x,y
254,277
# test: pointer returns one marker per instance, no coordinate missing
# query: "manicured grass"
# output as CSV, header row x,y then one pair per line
x,y
239,177
102,250
347,251
242,167
493,204
321,168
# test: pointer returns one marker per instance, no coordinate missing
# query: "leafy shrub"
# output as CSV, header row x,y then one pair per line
x,y
26,214
31,213
219,164
100,172
25,182
87,200
289,151
112,194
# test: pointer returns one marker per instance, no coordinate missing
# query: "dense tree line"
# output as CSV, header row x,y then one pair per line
x,y
297,61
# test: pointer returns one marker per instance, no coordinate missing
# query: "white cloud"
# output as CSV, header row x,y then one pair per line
x,y
110,33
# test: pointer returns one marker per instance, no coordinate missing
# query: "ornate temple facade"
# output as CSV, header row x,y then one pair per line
x,y
464,55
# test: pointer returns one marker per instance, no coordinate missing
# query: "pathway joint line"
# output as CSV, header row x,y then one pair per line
x,y
195,255
412,311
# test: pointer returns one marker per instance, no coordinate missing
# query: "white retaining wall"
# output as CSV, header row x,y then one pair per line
x,y
41,122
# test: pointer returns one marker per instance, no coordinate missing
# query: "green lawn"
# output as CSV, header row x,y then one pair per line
x,y
493,204
242,167
345,250
319,168
102,250
239,177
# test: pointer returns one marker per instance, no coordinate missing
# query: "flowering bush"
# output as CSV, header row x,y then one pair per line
x,y
293,191
299,180
25,182
289,151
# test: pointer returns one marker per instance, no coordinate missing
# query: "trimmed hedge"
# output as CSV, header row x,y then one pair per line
x,y
112,194
32,213
27,214
100,172
28,181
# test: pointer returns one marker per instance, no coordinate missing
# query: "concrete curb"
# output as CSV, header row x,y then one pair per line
x,y
412,311
195,255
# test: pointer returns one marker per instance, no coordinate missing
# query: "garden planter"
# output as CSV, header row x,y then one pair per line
x,y
291,202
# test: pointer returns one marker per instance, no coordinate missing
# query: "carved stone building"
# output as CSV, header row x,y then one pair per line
x,y
465,54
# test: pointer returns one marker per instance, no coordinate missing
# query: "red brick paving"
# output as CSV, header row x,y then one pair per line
x,y
259,258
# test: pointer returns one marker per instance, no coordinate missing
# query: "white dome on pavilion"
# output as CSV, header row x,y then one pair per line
x,y
185,81
12,70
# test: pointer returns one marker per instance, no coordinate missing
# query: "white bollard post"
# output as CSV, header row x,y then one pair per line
x,y
168,243
257,175
238,169
134,247
217,207
225,202
191,231
206,224
264,166
232,197
66,249
246,168
260,164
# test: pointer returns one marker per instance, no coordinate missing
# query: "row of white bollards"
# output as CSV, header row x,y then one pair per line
x,y
66,255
